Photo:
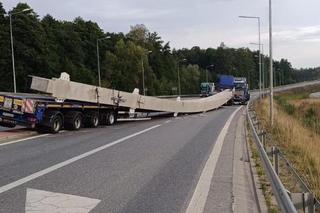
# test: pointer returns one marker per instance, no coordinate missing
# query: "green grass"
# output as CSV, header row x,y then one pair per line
x,y
308,118
285,105
293,134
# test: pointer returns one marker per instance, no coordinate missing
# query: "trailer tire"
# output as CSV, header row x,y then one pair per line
x,y
111,118
73,120
56,124
52,123
92,120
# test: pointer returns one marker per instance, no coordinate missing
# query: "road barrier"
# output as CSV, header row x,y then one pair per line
x,y
288,202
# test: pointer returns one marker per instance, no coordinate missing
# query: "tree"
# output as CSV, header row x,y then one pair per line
x,y
5,53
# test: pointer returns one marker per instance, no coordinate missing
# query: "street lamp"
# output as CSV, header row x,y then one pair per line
x,y
210,66
262,67
259,31
12,51
179,84
143,84
271,63
98,57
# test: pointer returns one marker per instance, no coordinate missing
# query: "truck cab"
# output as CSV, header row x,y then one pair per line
x,y
241,93
206,89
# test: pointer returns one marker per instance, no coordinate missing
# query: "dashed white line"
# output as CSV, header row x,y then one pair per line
x,y
200,194
69,161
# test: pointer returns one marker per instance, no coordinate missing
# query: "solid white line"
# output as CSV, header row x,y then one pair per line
x,y
71,160
201,192
24,139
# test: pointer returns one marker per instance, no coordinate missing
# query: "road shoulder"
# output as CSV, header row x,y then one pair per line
x,y
245,191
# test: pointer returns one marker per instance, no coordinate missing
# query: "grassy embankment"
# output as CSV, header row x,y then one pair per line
x,y
296,131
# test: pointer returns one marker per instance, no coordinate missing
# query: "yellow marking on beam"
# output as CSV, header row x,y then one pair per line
x,y
53,105
18,102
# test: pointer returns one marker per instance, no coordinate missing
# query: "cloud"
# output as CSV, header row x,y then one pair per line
x,y
299,34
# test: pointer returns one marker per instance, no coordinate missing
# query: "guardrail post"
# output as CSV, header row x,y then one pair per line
x,y
262,137
304,201
308,200
264,141
275,157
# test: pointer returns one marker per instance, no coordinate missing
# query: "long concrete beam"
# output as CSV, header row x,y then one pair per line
x,y
64,89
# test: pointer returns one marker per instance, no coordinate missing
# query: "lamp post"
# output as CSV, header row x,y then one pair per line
x,y
98,58
271,63
143,83
12,51
259,34
207,75
179,85
262,67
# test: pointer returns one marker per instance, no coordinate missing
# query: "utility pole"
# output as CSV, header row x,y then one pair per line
x,y
98,58
143,88
262,67
263,71
143,77
12,50
259,36
271,63
179,84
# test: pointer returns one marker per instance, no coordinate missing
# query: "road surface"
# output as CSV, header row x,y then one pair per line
x,y
149,166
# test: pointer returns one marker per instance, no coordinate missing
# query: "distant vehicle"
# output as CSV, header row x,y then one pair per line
x,y
241,93
239,86
206,89
225,82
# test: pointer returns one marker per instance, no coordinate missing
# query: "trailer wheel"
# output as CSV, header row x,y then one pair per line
x,y
92,120
111,118
56,124
51,124
73,120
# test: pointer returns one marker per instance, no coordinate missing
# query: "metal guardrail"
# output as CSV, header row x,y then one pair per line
x,y
279,190
287,201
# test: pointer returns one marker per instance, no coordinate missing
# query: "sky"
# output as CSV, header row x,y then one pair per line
x,y
204,23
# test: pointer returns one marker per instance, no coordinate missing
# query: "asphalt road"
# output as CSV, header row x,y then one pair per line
x,y
147,166
3,128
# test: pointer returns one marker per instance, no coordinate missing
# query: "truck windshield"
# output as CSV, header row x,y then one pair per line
x,y
239,86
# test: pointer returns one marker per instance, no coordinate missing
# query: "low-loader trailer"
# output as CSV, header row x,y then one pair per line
x,y
71,105
46,114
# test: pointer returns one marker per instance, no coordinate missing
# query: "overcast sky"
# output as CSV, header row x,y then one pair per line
x,y
204,23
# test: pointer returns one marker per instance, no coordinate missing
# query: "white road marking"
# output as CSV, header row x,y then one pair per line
x,y
69,161
52,202
29,138
24,139
168,121
200,194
